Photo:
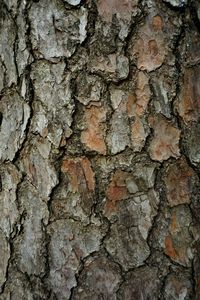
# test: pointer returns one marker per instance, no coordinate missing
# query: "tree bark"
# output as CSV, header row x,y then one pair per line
x,y
99,149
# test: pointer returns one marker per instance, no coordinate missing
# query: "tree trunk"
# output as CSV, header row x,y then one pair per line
x,y
99,149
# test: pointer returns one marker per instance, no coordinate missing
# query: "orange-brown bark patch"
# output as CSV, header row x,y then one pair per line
x,y
93,135
117,189
153,47
149,49
81,176
189,99
142,93
152,43
157,23
107,8
165,142
173,226
131,104
169,248
178,182
89,174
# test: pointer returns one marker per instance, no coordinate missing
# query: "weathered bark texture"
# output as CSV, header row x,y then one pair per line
x,y
99,149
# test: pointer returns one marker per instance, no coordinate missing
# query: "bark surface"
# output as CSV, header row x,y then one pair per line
x,y
99,149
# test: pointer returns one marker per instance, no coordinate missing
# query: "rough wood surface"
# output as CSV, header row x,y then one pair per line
x,y
99,149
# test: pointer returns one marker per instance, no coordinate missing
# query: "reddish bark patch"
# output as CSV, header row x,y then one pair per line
x,y
178,181
131,103
189,99
153,47
157,23
142,93
178,239
176,253
173,226
150,48
136,106
165,142
81,176
107,8
137,103
169,248
93,135
117,189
